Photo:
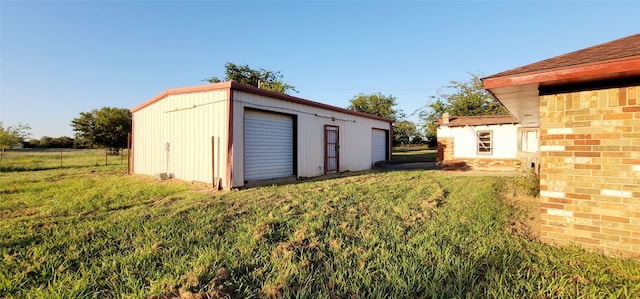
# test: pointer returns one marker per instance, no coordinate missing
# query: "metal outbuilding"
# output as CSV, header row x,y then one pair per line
x,y
229,134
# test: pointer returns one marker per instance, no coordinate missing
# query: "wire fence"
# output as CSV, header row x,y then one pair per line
x,y
39,159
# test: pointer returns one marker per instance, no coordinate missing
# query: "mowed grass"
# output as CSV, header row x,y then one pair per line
x,y
97,232
41,159
409,154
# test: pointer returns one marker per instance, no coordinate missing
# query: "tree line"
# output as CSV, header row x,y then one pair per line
x,y
53,142
109,127
459,98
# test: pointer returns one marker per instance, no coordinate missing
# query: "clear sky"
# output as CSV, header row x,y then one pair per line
x,y
60,58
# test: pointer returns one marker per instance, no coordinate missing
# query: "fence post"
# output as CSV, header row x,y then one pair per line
x,y
60,159
129,153
106,154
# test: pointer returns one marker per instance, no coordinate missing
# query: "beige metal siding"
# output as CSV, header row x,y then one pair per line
x,y
355,135
187,122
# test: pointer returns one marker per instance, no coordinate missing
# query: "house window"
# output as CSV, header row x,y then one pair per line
x,y
485,142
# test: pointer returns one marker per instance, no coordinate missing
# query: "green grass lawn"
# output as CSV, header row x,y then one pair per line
x,y
41,159
413,154
97,232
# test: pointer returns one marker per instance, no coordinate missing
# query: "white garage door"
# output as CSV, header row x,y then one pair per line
x,y
268,145
378,145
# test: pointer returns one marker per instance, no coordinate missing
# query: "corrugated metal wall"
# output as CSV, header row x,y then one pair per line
x,y
187,123
355,135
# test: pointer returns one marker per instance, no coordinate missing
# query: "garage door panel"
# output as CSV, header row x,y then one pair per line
x,y
271,164
270,170
378,145
268,145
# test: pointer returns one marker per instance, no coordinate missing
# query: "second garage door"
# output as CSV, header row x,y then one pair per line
x,y
268,145
378,145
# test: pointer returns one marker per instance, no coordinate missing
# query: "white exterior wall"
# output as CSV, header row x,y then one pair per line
x,y
187,122
465,142
355,137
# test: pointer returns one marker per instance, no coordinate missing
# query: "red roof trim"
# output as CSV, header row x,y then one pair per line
x,y
183,90
592,70
253,90
288,98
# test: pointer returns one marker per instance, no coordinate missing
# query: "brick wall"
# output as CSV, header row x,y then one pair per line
x,y
444,150
514,164
590,169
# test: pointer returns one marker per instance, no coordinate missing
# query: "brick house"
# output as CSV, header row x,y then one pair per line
x,y
493,142
587,106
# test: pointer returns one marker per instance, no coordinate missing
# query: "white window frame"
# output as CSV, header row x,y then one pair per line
x,y
523,140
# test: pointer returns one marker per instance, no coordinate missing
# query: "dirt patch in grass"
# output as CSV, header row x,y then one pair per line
x,y
216,287
521,195
184,294
525,216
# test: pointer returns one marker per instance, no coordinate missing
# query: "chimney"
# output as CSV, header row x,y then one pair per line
x,y
445,118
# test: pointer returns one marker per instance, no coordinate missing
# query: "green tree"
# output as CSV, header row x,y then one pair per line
x,y
260,78
376,104
465,99
51,142
108,127
406,132
12,135
380,105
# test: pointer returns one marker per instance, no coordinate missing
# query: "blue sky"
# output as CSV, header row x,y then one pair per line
x,y
60,58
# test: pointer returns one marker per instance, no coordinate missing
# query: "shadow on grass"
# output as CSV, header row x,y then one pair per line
x,y
381,166
299,180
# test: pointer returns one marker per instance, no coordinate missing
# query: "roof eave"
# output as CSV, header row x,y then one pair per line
x,y
482,120
286,97
183,90
580,72
231,85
